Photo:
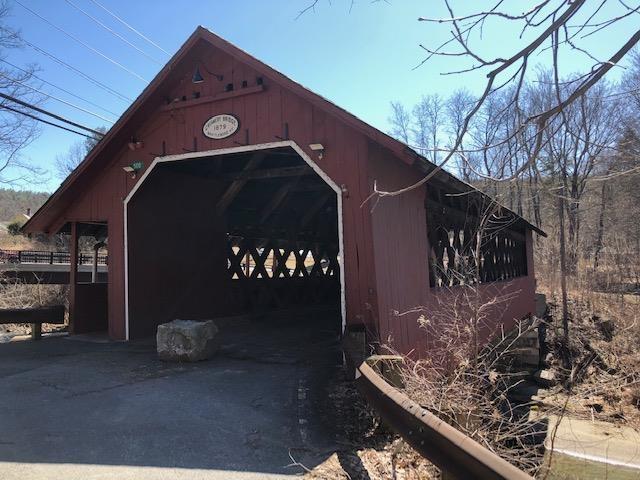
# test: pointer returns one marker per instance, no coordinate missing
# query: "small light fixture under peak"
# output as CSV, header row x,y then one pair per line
x,y
319,148
134,168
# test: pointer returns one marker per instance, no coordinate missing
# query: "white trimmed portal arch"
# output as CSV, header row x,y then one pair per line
x,y
226,151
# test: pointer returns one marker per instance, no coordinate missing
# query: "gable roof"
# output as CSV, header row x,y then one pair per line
x,y
55,205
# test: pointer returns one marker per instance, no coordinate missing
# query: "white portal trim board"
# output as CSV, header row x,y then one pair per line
x,y
226,151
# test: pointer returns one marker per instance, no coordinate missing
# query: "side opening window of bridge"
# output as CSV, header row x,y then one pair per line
x,y
471,241
249,258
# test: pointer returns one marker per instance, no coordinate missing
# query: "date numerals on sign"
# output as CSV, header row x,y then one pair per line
x,y
220,126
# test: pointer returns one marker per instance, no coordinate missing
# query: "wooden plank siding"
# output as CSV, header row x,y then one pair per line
x,y
262,117
401,250
385,243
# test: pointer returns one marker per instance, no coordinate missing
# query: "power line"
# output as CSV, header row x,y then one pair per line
x,y
79,72
113,32
44,121
130,27
57,98
46,112
59,88
86,45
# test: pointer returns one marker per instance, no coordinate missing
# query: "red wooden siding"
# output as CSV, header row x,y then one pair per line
x,y
263,116
400,251
401,261
385,243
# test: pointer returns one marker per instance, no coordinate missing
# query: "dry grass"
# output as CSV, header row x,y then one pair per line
x,y
18,295
468,385
604,382
368,451
20,242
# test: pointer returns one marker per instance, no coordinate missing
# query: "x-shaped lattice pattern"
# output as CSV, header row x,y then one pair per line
x,y
502,255
246,260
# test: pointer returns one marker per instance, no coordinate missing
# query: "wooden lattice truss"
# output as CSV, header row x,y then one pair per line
x,y
455,225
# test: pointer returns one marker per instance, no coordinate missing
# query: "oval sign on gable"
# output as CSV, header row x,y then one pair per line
x,y
220,126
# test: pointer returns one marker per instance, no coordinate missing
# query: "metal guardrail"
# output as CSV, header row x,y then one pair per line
x,y
51,258
447,448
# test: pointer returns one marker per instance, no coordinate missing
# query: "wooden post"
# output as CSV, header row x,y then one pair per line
x,y
94,270
73,276
36,331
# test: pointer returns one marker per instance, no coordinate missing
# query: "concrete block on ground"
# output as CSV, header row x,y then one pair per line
x,y
187,340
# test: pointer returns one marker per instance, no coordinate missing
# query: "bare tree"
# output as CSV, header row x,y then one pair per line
x,y
581,139
400,120
457,108
16,130
630,90
429,125
67,162
554,27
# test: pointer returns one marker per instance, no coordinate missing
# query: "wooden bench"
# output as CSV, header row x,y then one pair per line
x,y
35,316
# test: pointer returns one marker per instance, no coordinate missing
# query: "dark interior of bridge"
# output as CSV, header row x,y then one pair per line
x,y
252,234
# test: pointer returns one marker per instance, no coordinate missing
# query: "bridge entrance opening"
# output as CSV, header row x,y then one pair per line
x,y
249,234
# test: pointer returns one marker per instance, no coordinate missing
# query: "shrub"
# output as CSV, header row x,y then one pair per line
x,y
14,228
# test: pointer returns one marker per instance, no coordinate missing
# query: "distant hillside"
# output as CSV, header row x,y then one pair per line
x,y
13,202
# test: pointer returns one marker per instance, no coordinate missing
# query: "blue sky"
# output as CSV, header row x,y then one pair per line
x,y
361,59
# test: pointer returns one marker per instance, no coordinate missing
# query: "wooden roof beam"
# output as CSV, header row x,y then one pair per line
x,y
265,173
315,207
277,200
234,189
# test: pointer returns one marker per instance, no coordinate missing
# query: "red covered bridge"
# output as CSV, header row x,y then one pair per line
x,y
229,189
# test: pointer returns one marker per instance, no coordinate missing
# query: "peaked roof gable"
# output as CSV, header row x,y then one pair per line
x,y
114,138
45,215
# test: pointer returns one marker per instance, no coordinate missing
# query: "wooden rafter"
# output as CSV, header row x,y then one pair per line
x,y
314,209
235,187
277,200
280,172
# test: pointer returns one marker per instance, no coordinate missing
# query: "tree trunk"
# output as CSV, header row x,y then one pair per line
x,y
535,198
563,277
600,234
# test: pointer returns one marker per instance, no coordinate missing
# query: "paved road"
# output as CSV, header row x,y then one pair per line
x,y
82,410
